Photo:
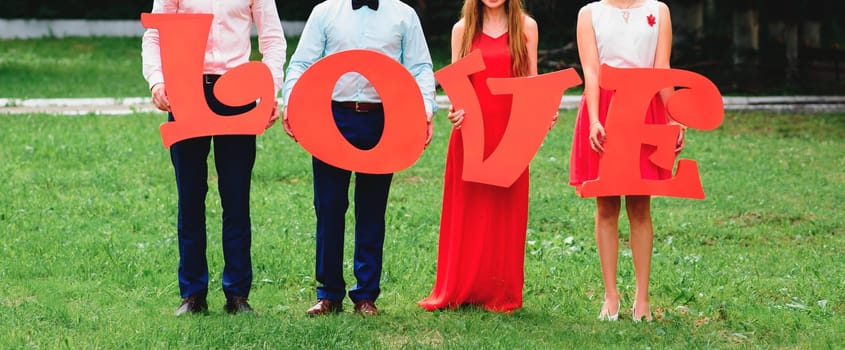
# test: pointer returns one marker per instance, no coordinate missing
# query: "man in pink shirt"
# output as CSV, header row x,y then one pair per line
x,y
234,155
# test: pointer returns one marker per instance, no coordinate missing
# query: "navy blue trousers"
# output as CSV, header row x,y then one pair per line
x,y
234,157
331,200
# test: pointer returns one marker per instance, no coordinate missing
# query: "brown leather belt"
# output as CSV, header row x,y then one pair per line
x,y
360,107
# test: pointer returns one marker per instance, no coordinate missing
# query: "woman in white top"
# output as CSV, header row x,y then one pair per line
x,y
622,34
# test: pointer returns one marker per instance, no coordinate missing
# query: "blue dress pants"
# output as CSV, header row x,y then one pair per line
x,y
234,157
331,200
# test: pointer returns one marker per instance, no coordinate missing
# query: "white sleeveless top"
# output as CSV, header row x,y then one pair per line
x,y
630,44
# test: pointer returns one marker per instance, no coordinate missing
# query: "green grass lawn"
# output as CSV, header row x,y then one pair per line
x,y
89,249
71,67
88,254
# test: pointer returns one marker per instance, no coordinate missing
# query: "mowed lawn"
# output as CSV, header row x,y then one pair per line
x,y
88,253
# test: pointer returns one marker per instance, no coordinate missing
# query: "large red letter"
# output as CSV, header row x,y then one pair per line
x,y
182,39
535,101
698,105
310,115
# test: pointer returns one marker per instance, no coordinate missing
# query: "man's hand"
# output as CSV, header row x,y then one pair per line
x,y
274,115
285,123
429,131
160,97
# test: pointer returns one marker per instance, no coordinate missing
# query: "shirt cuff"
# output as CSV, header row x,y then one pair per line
x,y
430,107
155,78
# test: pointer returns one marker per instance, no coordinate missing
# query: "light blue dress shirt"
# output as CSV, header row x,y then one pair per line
x,y
393,30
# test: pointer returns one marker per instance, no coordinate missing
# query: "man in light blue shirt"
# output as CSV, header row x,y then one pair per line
x,y
392,28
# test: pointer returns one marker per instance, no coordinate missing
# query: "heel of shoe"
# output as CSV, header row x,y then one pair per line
x,y
648,317
603,316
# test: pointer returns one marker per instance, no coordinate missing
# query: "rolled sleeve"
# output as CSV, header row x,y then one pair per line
x,y
271,39
150,49
417,59
311,48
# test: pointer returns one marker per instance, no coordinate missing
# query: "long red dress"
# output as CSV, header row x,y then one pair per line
x,y
482,227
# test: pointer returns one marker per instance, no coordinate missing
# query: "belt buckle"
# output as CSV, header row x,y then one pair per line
x,y
358,108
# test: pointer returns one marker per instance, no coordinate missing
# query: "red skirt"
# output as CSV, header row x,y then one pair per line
x,y
584,162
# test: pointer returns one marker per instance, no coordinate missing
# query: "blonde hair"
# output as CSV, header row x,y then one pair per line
x,y
473,15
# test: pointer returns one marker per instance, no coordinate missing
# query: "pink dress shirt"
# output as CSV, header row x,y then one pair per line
x,y
228,41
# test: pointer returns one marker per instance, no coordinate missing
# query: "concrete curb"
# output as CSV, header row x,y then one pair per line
x,y
808,104
77,106
129,105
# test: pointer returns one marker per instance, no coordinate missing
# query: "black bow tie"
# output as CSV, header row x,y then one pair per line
x,y
373,4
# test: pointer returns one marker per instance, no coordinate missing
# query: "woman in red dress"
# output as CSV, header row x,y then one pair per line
x,y
482,227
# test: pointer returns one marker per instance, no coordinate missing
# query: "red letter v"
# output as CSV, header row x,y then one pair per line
x,y
536,100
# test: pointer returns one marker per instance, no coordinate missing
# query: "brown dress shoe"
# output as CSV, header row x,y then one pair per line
x,y
237,305
366,308
194,304
325,307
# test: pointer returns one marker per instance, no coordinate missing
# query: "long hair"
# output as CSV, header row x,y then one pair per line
x,y
473,15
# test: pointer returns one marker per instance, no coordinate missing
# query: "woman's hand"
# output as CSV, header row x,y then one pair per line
x,y
597,137
682,140
456,117
286,124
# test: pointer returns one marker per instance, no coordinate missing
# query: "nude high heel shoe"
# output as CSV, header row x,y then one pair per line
x,y
648,318
604,316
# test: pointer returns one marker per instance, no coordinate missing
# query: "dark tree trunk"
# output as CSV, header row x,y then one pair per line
x,y
746,30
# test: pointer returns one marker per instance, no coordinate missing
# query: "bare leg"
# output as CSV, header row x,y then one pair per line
x,y
642,241
607,241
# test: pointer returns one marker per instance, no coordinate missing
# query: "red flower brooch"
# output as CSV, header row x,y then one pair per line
x,y
651,20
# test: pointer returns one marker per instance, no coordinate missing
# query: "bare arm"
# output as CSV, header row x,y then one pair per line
x,y
531,38
661,61
664,46
457,117
588,53
589,56
457,39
